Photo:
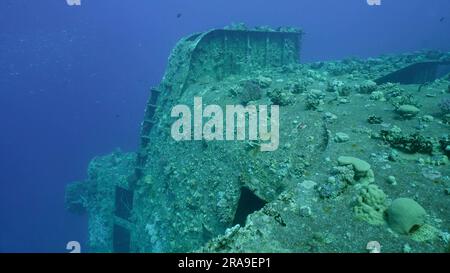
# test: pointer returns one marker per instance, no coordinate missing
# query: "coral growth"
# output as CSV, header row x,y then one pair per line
x,y
367,87
444,105
314,99
412,143
250,91
299,87
371,204
280,97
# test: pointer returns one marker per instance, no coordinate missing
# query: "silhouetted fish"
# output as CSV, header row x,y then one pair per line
x,y
442,19
179,15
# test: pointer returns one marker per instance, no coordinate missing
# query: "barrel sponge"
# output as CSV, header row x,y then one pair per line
x,y
405,215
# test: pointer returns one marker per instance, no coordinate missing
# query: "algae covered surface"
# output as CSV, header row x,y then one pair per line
x,y
358,161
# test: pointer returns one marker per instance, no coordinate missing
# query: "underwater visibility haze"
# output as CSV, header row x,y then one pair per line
x,y
225,126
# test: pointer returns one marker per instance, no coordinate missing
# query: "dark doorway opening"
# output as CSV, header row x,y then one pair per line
x,y
121,239
124,203
248,203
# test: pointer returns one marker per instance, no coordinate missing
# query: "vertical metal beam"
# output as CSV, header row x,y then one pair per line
x,y
283,49
247,53
266,50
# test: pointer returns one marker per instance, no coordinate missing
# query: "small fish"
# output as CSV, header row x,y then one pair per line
x,y
442,19
179,15
301,126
